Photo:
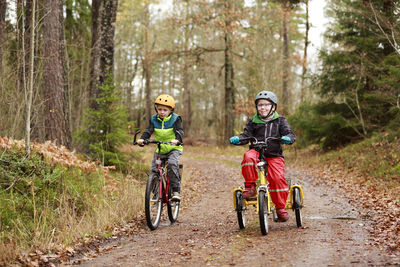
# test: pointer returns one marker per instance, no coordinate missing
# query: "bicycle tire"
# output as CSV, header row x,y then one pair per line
x,y
173,207
240,209
153,202
297,206
263,211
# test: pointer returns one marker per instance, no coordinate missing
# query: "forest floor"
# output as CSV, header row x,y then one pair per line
x,y
336,230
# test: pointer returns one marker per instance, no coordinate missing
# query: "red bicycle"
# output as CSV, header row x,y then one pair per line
x,y
158,191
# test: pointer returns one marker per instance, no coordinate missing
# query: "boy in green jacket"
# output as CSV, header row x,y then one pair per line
x,y
167,127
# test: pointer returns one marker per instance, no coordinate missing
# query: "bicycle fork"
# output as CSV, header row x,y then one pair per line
x,y
263,185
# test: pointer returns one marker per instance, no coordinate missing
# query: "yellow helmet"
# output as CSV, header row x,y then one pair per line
x,y
165,100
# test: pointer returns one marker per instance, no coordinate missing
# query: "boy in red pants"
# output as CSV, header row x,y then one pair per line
x,y
267,123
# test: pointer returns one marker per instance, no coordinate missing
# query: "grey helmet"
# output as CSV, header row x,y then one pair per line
x,y
267,95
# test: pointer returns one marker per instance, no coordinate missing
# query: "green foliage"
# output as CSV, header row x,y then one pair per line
x,y
107,128
33,195
325,123
358,80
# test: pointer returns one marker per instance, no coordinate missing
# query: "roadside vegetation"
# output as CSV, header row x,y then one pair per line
x,y
51,199
368,173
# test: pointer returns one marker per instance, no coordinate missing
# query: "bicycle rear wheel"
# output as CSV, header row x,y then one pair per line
x,y
153,202
240,209
263,211
173,207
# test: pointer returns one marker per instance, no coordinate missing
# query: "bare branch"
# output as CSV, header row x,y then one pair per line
x,y
392,40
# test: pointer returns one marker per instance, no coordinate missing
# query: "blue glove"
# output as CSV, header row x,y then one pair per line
x,y
234,140
286,140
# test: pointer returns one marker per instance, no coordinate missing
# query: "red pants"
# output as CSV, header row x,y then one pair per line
x,y
278,187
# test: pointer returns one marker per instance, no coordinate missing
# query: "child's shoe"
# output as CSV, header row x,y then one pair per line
x,y
283,216
176,196
249,190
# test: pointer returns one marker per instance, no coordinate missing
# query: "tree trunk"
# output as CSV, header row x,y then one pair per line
x,y
3,8
304,63
95,54
187,113
229,118
285,57
24,19
146,64
104,14
29,92
56,119
108,19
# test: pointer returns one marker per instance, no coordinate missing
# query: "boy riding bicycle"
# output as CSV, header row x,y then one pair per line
x,y
267,123
166,126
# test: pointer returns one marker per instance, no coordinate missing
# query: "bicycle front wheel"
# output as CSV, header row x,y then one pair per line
x,y
173,207
153,202
240,209
263,211
297,206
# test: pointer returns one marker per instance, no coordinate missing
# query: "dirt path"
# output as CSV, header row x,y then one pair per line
x,y
207,233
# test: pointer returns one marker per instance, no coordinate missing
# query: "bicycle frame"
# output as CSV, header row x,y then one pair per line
x,y
164,178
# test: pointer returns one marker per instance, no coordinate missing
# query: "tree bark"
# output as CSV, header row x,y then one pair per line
x,y
108,19
229,118
95,54
146,64
3,9
56,119
104,14
29,92
285,57
187,112
304,63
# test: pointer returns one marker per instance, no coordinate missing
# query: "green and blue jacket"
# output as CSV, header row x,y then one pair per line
x,y
165,130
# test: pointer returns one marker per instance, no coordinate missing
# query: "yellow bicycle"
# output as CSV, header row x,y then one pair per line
x,y
262,200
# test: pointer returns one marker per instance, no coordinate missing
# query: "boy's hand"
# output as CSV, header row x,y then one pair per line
x,y
286,140
140,142
175,142
234,140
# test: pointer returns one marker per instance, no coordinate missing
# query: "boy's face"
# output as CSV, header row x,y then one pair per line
x,y
264,107
163,111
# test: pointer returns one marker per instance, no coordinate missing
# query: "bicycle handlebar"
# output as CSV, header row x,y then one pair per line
x,y
149,141
254,140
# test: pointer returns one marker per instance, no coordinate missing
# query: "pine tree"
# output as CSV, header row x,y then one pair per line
x,y
358,81
108,127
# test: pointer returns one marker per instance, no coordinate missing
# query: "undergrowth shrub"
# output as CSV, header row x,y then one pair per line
x,y
45,204
326,124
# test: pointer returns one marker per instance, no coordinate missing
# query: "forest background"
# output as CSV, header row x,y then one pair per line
x,y
213,57
84,74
